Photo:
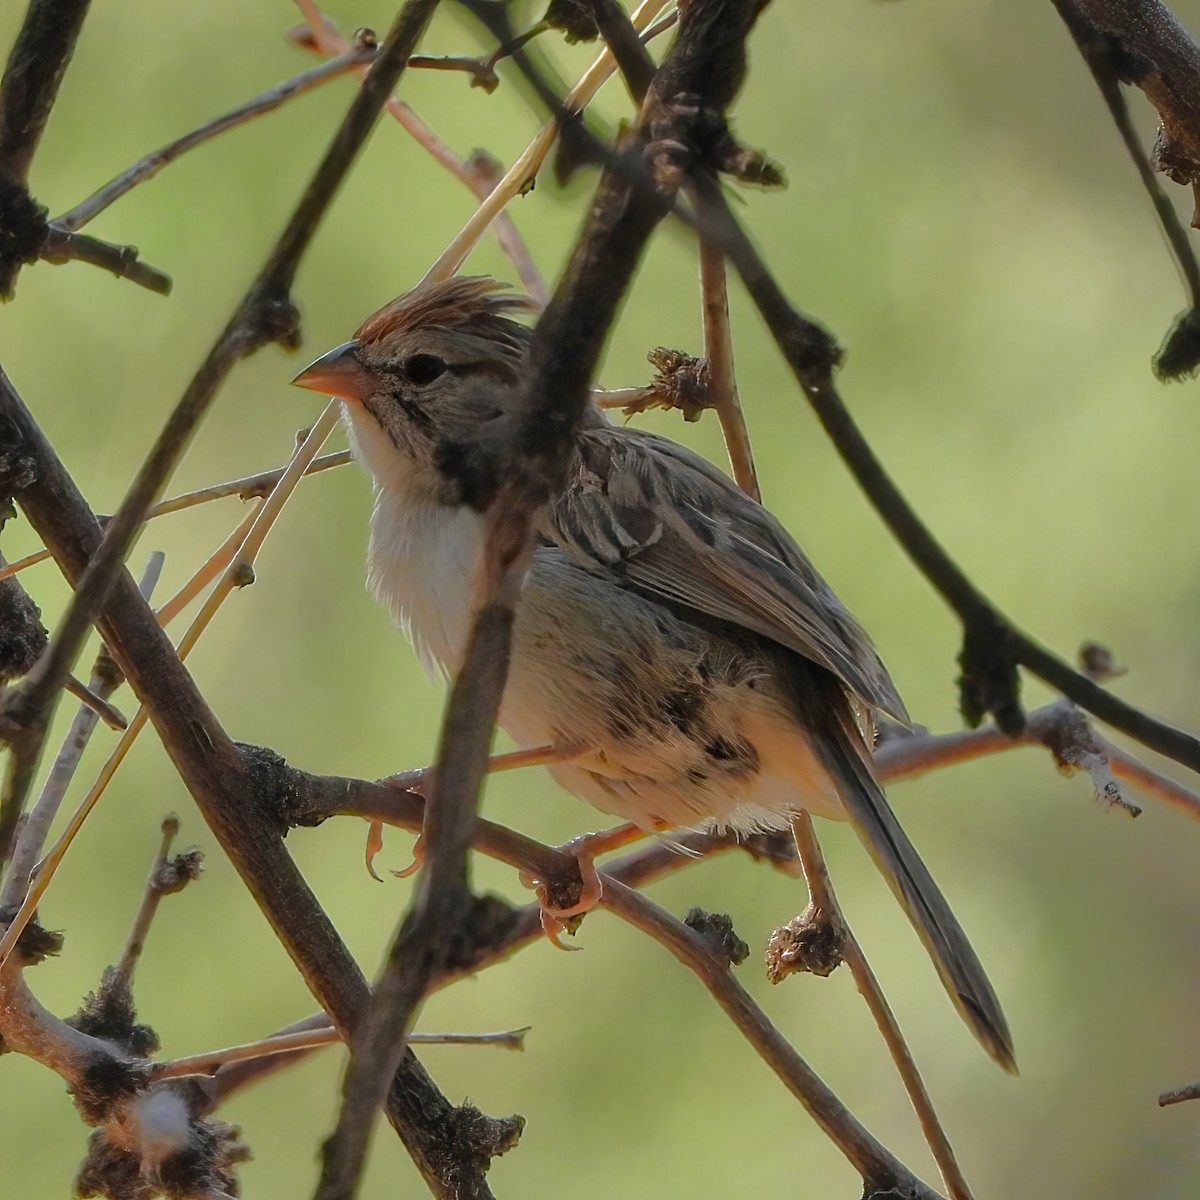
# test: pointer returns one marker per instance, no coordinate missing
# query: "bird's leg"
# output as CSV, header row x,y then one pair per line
x,y
584,849
418,782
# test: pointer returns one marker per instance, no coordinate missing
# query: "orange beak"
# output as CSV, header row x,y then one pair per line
x,y
338,373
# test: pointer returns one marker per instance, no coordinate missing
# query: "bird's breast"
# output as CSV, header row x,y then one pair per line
x,y
423,561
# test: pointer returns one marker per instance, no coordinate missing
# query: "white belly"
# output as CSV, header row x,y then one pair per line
x,y
424,560
422,564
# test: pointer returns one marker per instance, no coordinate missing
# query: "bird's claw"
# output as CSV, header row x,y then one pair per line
x,y
406,781
558,920
418,859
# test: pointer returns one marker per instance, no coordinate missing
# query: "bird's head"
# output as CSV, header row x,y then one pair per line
x,y
426,381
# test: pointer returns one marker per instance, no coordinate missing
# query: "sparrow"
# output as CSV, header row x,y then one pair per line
x,y
677,661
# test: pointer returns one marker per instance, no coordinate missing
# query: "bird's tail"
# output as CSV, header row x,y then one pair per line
x,y
845,757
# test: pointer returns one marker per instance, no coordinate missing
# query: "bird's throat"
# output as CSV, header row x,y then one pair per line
x,y
422,564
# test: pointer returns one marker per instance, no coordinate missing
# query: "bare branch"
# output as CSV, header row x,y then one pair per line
x,y
248,487
59,247
89,698
993,646
167,876
1179,1095
106,678
266,314
824,898
1151,49
235,791
292,1044
149,166
881,1172
908,755
36,64
311,799
718,349
479,172
524,171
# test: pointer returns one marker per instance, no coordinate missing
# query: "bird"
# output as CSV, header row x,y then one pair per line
x,y
677,660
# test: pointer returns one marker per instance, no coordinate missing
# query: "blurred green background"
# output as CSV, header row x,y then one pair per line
x,y
962,215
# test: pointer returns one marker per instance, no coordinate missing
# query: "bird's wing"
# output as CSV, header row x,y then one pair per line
x,y
647,511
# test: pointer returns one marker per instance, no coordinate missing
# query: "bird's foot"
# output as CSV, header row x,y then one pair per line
x,y
406,781
559,918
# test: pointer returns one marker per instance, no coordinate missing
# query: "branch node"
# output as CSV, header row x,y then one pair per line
x,y
106,1084
717,931
168,1146
273,785
1098,664
989,682
23,637
683,381
23,226
479,1138
109,1013
35,944
1070,739
574,19
811,942
1178,357
18,468
270,316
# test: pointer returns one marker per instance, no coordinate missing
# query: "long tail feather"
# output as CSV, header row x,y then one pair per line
x,y
876,825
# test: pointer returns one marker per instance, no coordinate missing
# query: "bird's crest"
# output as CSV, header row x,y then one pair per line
x,y
469,303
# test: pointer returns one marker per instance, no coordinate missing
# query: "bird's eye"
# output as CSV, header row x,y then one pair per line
x,y
424,368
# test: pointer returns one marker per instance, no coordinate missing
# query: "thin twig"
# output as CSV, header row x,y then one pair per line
x,y
908,756
248,487
105,680
293,1043
525,169
234,789
166,878
211,569
479,172
265,315
718,349
812,354
60,246
824,898
150,165
112,717
1179,1095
